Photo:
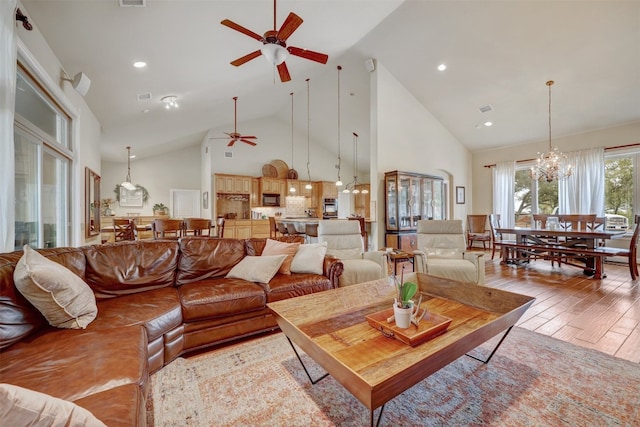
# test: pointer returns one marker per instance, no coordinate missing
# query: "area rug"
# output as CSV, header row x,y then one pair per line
x,y
532,380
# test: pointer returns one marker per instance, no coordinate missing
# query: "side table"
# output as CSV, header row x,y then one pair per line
x,y
401,257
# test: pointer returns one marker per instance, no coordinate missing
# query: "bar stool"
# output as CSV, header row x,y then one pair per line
x,y
311,230
292,231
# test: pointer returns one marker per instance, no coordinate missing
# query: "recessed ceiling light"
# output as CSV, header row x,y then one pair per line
x,y
488,124
139,64
442,67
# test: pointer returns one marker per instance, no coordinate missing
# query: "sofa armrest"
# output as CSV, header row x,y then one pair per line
x,y
477,258
380,258
333,268
420,261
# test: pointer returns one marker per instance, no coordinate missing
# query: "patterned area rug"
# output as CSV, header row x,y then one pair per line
x,y
531,380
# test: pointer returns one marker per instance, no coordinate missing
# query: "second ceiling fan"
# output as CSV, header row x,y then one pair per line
x,y
235,135
274,46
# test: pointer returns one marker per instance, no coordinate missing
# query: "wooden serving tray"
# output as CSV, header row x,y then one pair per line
x,y
430,326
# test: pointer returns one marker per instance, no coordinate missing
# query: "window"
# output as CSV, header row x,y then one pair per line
x,y
42,161
619,188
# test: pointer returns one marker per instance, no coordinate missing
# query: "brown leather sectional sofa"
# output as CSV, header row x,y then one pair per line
x,y
156,301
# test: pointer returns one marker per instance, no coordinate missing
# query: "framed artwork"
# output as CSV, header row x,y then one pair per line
x,y
205,200
460,195
130,199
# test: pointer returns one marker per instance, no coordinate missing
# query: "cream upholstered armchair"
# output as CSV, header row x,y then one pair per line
x,y
344,241
441,252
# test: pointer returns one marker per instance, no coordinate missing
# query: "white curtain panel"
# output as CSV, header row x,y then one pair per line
x,y
504,177
583,191
8,60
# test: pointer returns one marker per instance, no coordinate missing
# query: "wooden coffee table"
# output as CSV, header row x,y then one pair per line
x,y
331,328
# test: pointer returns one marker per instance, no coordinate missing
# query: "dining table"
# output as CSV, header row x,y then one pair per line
x,y
560,244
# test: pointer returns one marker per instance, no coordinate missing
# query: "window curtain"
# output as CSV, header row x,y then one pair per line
x,y
8,61
583,192
504,176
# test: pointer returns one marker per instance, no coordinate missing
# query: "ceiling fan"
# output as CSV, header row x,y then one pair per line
x,y
235,136
274,46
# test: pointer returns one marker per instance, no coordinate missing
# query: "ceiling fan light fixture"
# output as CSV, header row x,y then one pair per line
x,y
274,53
170,102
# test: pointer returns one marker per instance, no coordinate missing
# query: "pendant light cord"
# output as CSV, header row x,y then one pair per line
x,y
549,84
339,159
308,132
291,130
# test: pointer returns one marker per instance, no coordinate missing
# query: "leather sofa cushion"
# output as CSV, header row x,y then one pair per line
x,y
73,363
205,258
115,269
18,318
123,406
157,310
220,297
284,286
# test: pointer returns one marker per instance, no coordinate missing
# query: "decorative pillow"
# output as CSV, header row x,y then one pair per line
x,y
21,406
273,247
63,298
309,258
257,268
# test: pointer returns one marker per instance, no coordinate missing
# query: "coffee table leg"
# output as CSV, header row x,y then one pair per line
x,y
304,367
377,423
494,350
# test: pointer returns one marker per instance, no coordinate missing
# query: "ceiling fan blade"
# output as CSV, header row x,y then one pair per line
x,y
284,72
248,137
246,141
238,62
308,54
230,144
241,29
289,25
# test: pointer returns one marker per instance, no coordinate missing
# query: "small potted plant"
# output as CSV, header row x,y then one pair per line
x,y
160,209
403,305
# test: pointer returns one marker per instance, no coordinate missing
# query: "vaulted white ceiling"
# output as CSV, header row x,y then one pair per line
x,y
498,53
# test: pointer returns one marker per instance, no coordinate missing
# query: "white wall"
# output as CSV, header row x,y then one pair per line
x,y
86,130
178,170
482,178
408,137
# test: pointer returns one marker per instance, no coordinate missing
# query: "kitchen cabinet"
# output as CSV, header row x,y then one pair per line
x,y
273,186
409,198
362,201
329,190
233,184
255,199
260,228
300,187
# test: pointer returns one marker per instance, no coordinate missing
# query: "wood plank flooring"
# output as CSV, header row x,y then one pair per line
x,y
599,314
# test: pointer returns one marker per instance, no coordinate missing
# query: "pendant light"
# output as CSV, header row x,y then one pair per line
x,y
352,187
308,186
553,165
339,181
127,182
292,189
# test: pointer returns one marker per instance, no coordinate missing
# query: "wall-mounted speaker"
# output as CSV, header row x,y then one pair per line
x,y
369,64
81,83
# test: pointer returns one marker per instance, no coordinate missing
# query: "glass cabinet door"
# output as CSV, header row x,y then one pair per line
x,y
415,202
404,202
427,199
392,203
438,199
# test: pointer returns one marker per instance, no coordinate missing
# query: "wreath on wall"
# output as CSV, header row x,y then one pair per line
x,y
145,193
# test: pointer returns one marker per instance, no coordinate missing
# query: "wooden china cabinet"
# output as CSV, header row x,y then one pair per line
x,y
410,197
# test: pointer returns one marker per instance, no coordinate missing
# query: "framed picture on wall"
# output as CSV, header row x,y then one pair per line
x,y
130,199
460,195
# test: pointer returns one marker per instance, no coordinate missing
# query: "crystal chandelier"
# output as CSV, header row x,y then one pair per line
x,y
553,165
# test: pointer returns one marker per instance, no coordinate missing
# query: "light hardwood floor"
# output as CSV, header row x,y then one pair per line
x,y
599,314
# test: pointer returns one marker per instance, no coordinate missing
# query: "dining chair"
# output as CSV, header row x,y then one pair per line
x,y
477,230
123,229
220,224
273,227
540,219
497,238
631,254
163,228
197,227
577,222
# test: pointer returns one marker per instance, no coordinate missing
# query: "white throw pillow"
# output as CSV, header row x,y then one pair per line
x,y
62,297
23,407
309,258
257,268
